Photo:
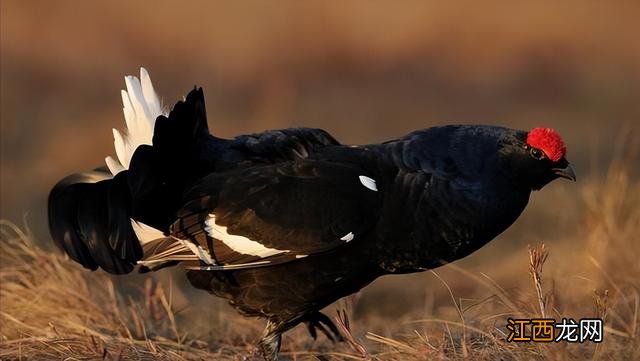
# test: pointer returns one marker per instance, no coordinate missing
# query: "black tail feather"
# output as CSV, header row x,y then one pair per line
x,y
186,126
90,213
89,219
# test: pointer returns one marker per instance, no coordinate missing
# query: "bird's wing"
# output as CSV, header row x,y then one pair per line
x,y
276,213
282,145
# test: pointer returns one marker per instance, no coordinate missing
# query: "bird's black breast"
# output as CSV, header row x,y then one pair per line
x,y
428,220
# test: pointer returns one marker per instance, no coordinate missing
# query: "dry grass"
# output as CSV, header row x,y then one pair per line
x,y
537,257
53,309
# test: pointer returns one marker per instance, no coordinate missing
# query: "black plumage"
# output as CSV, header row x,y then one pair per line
x,y
285,222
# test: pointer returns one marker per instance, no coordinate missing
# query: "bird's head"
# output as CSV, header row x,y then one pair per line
x,y
537,157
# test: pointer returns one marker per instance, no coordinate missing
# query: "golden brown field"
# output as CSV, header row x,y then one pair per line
x,y
365,73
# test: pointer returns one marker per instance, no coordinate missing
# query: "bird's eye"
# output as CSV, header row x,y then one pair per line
x,y
536,153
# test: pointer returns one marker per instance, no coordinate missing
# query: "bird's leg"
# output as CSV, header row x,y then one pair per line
x,y
319,320
269,344
324,319
311,327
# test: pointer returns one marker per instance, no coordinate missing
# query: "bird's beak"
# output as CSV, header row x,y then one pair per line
x,y
566,172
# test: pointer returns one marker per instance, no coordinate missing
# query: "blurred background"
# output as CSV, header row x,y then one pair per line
x,y
364,71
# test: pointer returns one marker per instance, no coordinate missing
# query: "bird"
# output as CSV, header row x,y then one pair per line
x,y
285,222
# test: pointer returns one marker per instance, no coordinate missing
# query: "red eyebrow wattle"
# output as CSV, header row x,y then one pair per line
x,y
549,141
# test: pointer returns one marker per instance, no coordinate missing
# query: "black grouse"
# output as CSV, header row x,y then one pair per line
x,y
285,222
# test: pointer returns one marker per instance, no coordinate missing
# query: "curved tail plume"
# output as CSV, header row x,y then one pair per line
x,y
113,218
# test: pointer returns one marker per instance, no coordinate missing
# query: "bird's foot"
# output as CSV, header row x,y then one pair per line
x,y
320,321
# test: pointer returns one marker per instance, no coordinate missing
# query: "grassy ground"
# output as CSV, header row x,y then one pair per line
x,y
51,308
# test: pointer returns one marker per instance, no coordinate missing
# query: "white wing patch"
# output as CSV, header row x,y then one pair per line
x,y
141,107
145,233
347,237
237,243
368,182
202,254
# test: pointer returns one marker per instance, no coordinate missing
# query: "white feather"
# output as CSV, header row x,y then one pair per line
x,y
145,233
153,102
141,106
129,112
368,182
199,251
121,149
114,166
347,237
143,117
237,243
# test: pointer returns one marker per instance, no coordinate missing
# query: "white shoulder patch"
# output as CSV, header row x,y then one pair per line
x,y
348,237
141,107
368,182
237,243
145,233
